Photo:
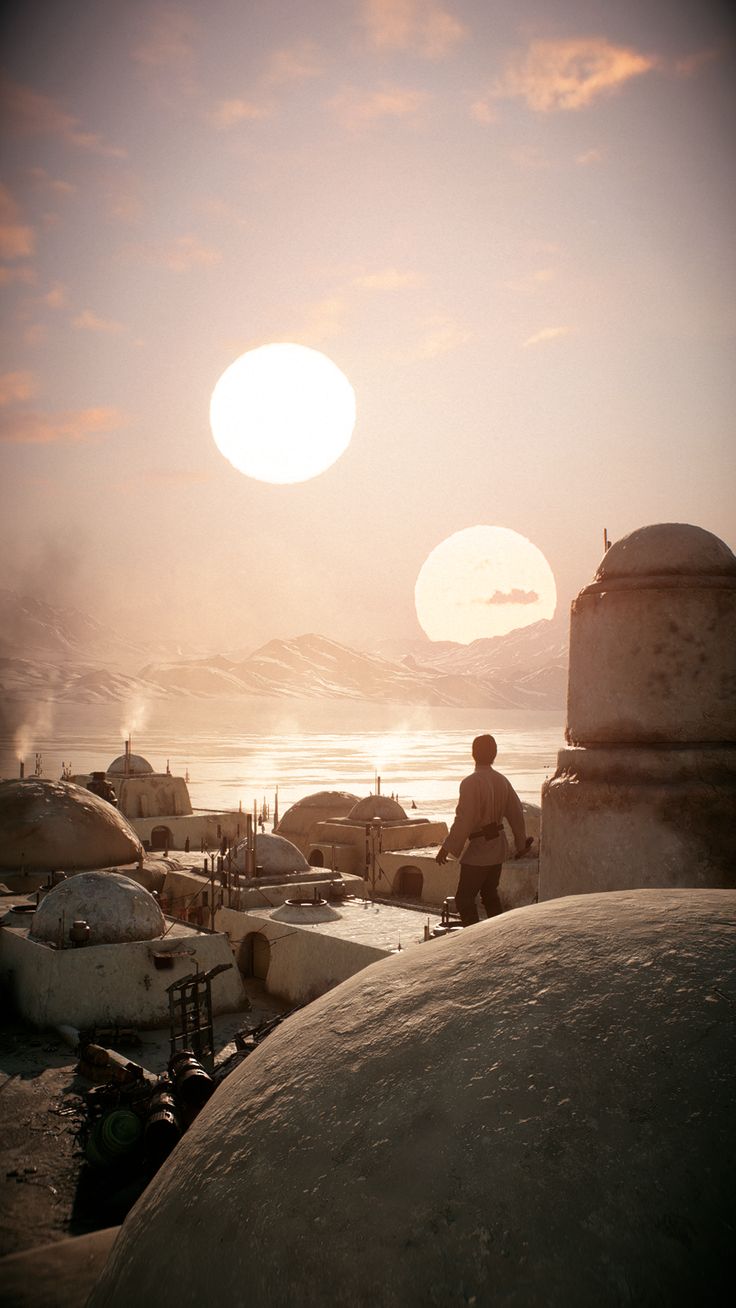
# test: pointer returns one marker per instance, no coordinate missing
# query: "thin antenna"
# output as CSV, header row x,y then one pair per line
x,y
606,541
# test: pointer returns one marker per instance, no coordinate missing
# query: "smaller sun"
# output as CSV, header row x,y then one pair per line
x,y
282,413
483,581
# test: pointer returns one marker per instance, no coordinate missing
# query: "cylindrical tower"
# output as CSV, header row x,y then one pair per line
x,y
645,794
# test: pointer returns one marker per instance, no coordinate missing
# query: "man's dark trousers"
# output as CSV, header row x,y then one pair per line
x,y
476,881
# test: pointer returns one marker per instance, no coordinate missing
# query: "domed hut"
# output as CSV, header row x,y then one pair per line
x,y
130,765
114,907
645,793
49,826
275,856
546,1137
299,821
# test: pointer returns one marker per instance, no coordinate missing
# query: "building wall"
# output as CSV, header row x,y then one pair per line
x,y
518,885
110,984
303,963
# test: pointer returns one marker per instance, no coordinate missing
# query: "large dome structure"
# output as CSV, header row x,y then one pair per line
x,y
377,808
667,549
46,826
130,765
299,821
274,855
535,1112
115,908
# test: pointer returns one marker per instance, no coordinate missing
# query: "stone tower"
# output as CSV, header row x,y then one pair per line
x,y
645,794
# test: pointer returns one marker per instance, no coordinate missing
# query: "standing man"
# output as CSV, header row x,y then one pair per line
x,y
477,837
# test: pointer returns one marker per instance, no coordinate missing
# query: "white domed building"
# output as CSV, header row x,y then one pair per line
x,y
537,1111
645,793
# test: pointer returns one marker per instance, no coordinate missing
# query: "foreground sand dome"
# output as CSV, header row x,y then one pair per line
x,y
274,855
47,826
115,908
537,1111
132,765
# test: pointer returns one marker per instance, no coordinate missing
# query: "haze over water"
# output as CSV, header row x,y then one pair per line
x,y
237,752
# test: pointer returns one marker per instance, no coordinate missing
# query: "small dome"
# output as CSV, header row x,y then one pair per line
x,y
115,908
667,549
377,806
305,913
274,855
137,766
549,1121
47,826
319,807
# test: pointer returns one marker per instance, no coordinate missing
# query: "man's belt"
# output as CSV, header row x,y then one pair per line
x,y
489,832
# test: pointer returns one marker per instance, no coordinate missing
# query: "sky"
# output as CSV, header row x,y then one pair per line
x,y
510,225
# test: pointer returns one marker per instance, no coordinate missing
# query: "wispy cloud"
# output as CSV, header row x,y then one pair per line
x,y
179,255
690,65
570,74
32,113
388,279
16,387
17,273
324,320
45,182
17,239
356,109
55,298
295,63
547,334
89,321
27,427
515,596
587,157
168,40
231,113
440,334
422,27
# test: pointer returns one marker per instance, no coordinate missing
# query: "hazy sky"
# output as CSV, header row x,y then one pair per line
x,y
509,224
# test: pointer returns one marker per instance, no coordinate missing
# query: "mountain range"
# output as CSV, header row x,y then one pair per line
x,y
50,652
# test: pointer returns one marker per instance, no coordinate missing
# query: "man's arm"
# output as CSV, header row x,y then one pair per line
x,y
455,840
514,814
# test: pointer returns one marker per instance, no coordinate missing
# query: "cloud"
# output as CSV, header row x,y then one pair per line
x,y
55,298
169,40
514,596
440,335
570,74
324,320
17,239
357,109
690,65
45,182
31,113
389,279
483,110
27,427
180,255
589,157
16,387
89,321
296,63
422,27
20,273
230,113
547,334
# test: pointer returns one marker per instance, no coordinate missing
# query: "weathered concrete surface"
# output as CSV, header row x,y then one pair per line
x,y
622,818
47,826
58,1275
535,1111
114,907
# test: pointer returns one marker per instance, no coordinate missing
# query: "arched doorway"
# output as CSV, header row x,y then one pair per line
x,y
409,883
254,956
316,858
161,838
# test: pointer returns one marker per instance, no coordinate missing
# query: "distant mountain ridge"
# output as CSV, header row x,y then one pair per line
x,y
47,652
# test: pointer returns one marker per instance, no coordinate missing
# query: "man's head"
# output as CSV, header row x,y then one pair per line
x,y
484,750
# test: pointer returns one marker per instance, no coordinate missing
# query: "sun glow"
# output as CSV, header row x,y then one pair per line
x,y
483,581
282,413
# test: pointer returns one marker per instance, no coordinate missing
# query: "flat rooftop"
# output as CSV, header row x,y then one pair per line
x,y
382,926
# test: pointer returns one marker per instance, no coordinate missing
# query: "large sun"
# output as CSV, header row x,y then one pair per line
x,y
282,413
483,581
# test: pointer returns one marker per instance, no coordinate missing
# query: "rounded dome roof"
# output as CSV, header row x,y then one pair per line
x,y
116,909
302,816
545,1138
274,854
47,826
377,806
137,766
667,549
